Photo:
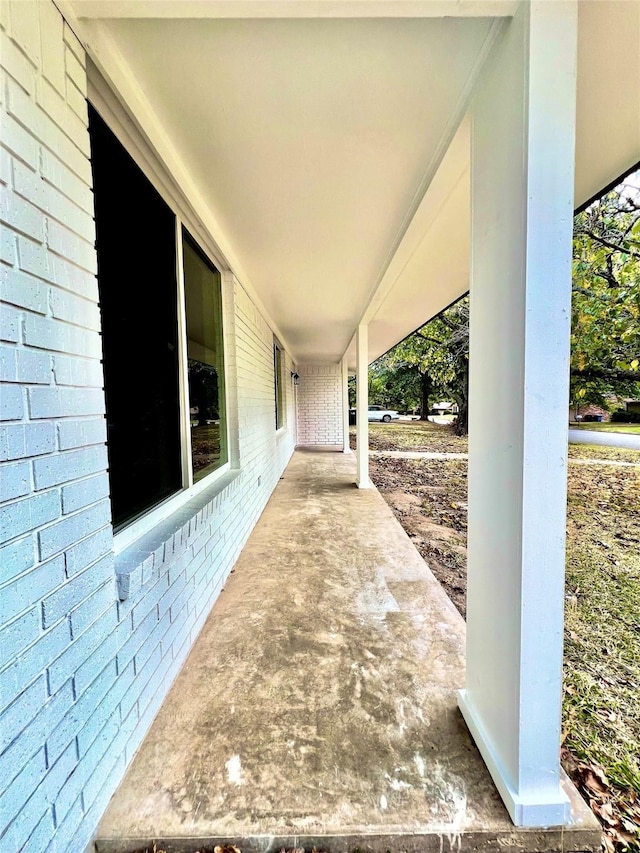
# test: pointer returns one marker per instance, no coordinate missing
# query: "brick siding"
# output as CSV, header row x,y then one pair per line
x,y
90,642
320,421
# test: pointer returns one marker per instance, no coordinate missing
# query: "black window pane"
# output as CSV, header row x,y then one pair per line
x,y
205,351
136,247
279,388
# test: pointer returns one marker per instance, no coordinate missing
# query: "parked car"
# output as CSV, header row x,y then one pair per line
x,y
379,413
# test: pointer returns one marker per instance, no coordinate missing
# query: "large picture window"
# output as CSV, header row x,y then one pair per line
x,y
136,249
163,359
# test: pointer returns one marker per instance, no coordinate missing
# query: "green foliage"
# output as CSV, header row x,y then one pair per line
x,y
605,338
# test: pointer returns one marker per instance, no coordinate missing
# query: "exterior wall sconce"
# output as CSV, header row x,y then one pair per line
x,y
295,377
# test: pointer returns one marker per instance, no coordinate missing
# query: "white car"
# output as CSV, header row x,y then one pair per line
x,y
379,413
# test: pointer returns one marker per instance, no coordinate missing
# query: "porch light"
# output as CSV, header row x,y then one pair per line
x,y
295,377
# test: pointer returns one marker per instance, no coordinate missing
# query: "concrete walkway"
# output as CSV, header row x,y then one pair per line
x,y
606,439
318,705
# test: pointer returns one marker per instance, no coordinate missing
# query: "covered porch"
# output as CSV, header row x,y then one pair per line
x,y
318,706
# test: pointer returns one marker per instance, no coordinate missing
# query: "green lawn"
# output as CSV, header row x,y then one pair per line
x,y
634,429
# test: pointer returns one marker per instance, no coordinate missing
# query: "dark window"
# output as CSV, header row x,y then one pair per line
x,y
205,353
136,247
278,361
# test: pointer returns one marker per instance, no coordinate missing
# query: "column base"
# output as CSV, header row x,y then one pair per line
x,y
540,808
364,484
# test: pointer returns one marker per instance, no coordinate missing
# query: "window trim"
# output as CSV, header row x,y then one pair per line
x,y
103,101
278,383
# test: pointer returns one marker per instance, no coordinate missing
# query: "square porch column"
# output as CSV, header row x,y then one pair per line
x,y
522,214
362,406
346,447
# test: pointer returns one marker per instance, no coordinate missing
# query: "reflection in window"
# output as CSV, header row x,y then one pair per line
x,y
203,301
278,358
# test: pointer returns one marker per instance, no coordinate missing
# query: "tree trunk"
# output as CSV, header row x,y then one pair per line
x,y
425,392
461,426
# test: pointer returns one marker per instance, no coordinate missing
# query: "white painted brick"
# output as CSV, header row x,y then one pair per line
x,y
15,480
85,492
18,441
75,71
72,247
58,110
64,467
16,558
51,200
56,336
25,29
68,306
64,402
56,172
52,46
87,551
16,64
72,593
11,403
73,278
77,101
45,130
5,22
18,634
23,365
28,514
33,258
56,537
23,290
5,167
74,45
69,370
74,433
9,324
19,141
21,215
7,246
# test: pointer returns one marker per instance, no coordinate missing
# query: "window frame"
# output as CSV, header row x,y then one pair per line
x,y
102,100
278,383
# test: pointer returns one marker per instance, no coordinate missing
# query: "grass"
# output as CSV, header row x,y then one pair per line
x,y
601,708
632,429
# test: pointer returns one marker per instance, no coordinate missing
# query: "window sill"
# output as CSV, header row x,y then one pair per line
x,y
142,560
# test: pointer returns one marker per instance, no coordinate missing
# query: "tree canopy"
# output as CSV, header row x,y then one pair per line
x,y
605,338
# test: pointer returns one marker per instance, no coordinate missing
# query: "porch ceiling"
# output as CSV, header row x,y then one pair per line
x,y
317,141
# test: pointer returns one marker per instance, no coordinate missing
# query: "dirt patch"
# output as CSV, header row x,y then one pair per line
x,y
429,499
601,712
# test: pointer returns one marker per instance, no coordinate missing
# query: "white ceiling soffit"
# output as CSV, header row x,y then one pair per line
x,y
430,272
311,142
104,9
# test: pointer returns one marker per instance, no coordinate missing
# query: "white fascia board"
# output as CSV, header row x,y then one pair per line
x,y
96,9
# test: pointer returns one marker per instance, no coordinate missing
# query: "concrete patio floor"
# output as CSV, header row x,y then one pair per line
x,y
318,705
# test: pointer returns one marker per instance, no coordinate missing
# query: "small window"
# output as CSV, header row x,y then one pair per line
x,y
205,354
278,366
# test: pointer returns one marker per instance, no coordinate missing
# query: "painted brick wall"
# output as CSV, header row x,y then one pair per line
x,y
85,661
320,405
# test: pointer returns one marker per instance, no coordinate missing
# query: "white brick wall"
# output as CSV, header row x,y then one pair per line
x,y
320,405
85,662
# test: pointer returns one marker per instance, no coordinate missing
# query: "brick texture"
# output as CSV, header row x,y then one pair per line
x,y
320,405
90,642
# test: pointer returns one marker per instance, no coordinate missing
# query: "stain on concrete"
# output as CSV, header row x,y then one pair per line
x,y
320,697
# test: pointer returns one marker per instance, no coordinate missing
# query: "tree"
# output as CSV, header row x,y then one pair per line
x,y
437,355
605,338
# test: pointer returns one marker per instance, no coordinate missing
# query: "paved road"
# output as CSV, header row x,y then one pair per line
x,y
608,439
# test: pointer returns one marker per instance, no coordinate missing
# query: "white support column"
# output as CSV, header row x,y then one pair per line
x,y
362,406
522,212
346,447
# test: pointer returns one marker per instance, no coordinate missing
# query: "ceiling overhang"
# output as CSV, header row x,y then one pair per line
x,y
328,157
